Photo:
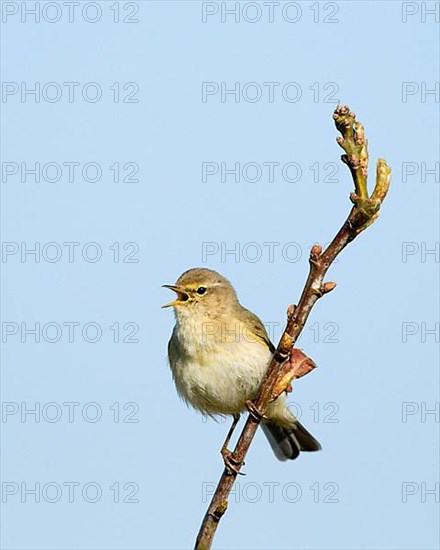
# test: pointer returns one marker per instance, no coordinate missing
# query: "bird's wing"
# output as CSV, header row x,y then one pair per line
x,y
257,328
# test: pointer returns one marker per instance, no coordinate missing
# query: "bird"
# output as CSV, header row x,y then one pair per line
x,y
219,352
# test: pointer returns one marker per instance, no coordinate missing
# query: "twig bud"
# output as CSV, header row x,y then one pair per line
x,y
383,179
354,161
359,133
316,251
285,345
291,310
354,198
328,287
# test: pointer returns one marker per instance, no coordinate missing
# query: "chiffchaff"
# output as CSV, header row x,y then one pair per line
x,y
218,354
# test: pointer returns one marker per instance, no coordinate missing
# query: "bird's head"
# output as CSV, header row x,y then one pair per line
x,y
202,291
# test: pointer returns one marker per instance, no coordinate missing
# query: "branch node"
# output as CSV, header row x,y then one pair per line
x,y
219,510
232,466
317,292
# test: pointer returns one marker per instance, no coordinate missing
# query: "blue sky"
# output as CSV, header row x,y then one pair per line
x,y
136,171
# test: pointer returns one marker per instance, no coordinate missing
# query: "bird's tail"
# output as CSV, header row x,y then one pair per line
x,y
288,442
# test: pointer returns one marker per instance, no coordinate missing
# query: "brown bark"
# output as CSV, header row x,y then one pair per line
x,y
363,213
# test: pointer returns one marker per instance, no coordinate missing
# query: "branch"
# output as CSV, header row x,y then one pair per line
x,y
364,212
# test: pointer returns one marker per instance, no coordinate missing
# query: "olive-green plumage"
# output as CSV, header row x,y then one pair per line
x,y
218,354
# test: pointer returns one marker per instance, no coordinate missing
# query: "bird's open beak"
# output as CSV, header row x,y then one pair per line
x,y
182,296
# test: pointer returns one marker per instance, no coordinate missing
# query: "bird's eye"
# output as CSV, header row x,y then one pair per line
x,y
201,290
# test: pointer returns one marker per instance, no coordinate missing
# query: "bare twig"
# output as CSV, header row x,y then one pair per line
x,y
364,212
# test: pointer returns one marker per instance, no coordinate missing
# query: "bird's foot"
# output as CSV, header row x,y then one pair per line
x,y
231,464
256,413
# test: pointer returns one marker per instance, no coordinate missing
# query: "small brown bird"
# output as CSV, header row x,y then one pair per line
x,y
218,354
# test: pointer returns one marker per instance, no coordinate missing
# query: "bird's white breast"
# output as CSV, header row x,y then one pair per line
x,y
216,371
